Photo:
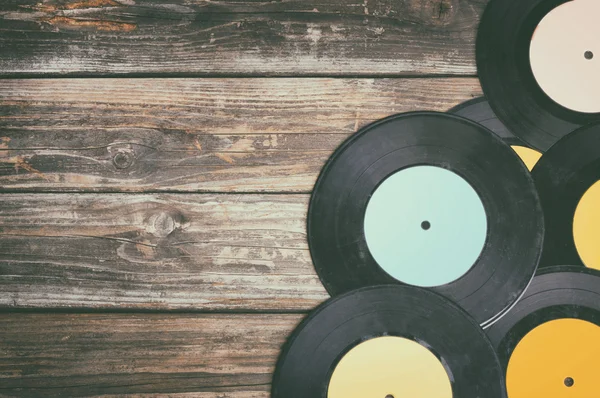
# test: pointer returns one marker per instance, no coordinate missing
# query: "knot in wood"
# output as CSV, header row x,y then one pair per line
x,y
123,159
434,12
162,224
444,10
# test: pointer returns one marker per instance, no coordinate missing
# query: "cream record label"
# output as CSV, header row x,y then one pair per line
x,y
539,67
388,341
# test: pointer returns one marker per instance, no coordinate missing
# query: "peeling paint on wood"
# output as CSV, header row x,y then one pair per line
x,y
60,5
73,23
90,4
385,37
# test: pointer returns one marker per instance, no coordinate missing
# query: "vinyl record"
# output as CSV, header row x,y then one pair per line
x,y
479,110
431,200
549,343
383,341
538,62
567,181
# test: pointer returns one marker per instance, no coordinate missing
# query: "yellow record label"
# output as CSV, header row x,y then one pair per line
x,y
586,227
558,359
386,367
529,156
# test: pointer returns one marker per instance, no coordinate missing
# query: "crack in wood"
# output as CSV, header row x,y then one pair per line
x,y
76,5
74,23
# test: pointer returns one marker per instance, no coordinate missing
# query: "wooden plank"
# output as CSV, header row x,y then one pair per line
x,y
193,135
202,37
156,252
58,355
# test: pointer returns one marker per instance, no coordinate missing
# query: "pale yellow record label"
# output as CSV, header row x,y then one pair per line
x,y
565,55
386,367
586,227
558,359
529,156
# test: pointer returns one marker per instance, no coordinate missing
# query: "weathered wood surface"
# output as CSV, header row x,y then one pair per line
x,y
148,252
65,355
193,135
201,37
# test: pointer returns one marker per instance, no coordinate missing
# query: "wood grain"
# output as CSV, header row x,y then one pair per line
x,y
132,195
201,37
207,356
156,252
193,135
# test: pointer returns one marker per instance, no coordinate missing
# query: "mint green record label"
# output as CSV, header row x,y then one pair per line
x,y
425,226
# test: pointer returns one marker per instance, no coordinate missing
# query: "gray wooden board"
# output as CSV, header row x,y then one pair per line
x,y
156,252
186,194
208,356
320,37
194,135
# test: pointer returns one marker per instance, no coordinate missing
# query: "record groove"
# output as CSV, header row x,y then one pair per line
x,y
479,110
337,209
562,176
566,301
504,67
317,345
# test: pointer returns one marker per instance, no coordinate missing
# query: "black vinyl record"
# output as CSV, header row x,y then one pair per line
x,y
560,292
562,176
479,110
513,238
504,67
318,344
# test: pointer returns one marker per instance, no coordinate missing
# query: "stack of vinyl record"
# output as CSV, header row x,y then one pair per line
x,y
462,249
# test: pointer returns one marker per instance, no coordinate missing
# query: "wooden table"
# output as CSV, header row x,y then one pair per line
x,y
156,161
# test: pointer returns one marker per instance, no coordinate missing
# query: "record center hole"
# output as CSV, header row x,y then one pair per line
x,y
389,396
588,55
569,382
425,225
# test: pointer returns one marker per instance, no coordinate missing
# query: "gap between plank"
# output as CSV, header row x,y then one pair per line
x,y
179,75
